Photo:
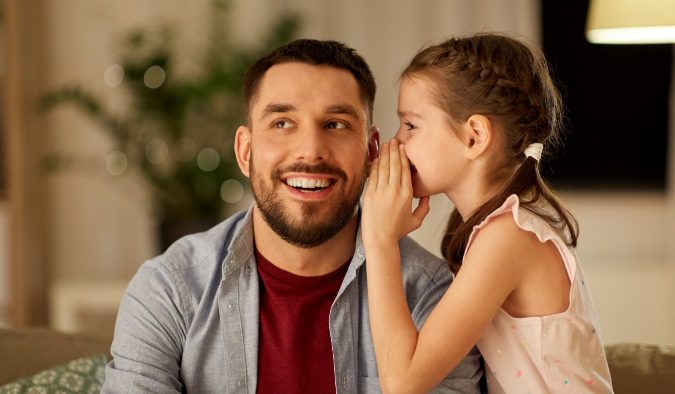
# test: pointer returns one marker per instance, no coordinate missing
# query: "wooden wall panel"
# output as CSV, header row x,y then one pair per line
x,y
29,265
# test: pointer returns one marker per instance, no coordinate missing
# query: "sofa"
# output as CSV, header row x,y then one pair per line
x,y
640,368
25,352
635,368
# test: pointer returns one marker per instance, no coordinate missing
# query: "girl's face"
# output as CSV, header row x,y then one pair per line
x,y
432,145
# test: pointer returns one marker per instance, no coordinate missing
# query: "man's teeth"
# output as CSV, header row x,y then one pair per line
x,y
307,183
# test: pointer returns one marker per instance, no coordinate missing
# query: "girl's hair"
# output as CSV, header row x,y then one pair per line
x,y
501,78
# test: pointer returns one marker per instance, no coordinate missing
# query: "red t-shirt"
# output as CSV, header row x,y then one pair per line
x,y
294,349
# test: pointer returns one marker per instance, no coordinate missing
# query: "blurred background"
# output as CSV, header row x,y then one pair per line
x,y
118,116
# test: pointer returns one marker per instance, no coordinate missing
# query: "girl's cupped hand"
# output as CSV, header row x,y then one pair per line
x,y
387,214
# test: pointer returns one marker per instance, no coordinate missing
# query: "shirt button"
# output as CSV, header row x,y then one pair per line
x,y
229,306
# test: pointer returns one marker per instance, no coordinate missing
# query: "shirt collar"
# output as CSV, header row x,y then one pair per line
x,y
240,250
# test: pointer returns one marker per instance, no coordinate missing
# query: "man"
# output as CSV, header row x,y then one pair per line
x,y
274,300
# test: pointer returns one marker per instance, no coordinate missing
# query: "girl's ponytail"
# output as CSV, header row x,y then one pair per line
x,y
526,183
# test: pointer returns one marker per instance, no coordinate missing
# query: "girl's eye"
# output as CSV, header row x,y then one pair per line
x,y
409,126
334,124
282,124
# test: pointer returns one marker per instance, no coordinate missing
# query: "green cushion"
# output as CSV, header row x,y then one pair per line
x,y
84,375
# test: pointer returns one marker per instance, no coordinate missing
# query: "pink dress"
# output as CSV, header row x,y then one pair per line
x,y
559,353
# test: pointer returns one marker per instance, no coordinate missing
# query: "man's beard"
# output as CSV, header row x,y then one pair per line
x,y
314,227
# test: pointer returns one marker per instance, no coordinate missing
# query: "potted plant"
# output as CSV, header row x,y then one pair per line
x,y
179,132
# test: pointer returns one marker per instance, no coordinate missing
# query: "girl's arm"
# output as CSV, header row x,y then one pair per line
x,y
409,361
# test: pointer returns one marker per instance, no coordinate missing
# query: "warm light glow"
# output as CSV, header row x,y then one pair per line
x,y
631,22
231,191
633,35
156,151
154,77
116,163
208,159
113,75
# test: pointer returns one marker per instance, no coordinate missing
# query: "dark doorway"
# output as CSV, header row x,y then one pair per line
x,y
616,99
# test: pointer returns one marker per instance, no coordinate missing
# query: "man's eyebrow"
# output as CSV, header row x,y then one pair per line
x,y
343,109
277,108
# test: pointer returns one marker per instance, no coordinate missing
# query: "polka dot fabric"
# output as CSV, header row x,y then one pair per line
x,y
560,353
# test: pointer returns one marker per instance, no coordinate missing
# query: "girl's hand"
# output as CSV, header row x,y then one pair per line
x,y
387,205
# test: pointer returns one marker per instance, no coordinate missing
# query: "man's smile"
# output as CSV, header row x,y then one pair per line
x,y
306,184
309,186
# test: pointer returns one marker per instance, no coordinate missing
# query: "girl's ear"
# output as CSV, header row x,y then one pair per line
x,y
479,135
242,149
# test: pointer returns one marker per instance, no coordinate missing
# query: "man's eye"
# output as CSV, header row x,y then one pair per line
x,y
282,124
336,125
409,126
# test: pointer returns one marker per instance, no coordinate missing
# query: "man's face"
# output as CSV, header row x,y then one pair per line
x,y
306,150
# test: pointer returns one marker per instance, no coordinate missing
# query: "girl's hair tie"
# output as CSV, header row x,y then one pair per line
x,y
534,151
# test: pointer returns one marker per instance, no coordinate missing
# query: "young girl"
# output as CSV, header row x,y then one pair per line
x,y
475,114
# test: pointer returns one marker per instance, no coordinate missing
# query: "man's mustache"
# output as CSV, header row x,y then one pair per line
x,y
321,168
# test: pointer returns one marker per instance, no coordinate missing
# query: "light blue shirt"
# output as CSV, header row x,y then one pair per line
x,y
188,322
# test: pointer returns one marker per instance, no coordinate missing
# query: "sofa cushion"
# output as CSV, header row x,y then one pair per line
x,y
638,368
83,375
26,351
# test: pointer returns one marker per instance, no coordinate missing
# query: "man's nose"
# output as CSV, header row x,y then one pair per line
x,y
312,145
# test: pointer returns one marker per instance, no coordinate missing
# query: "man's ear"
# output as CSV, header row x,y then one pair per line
x,y
478,136
242,149
374,143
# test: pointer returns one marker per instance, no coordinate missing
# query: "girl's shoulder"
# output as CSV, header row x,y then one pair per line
x,y
502,234
500,250
515,223
511,233
518,245
502,223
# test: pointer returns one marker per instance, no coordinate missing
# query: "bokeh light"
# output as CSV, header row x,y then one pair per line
x,y
113,75
154,77
231,191
156,151
116,163
208,159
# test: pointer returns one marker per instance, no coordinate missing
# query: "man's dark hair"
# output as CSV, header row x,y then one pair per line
x,y
316,52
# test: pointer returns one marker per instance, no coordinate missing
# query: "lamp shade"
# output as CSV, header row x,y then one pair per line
x,y
631,21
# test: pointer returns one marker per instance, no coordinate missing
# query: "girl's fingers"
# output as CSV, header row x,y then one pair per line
x,y
373,177
383,177
405,167
420,212
394,163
